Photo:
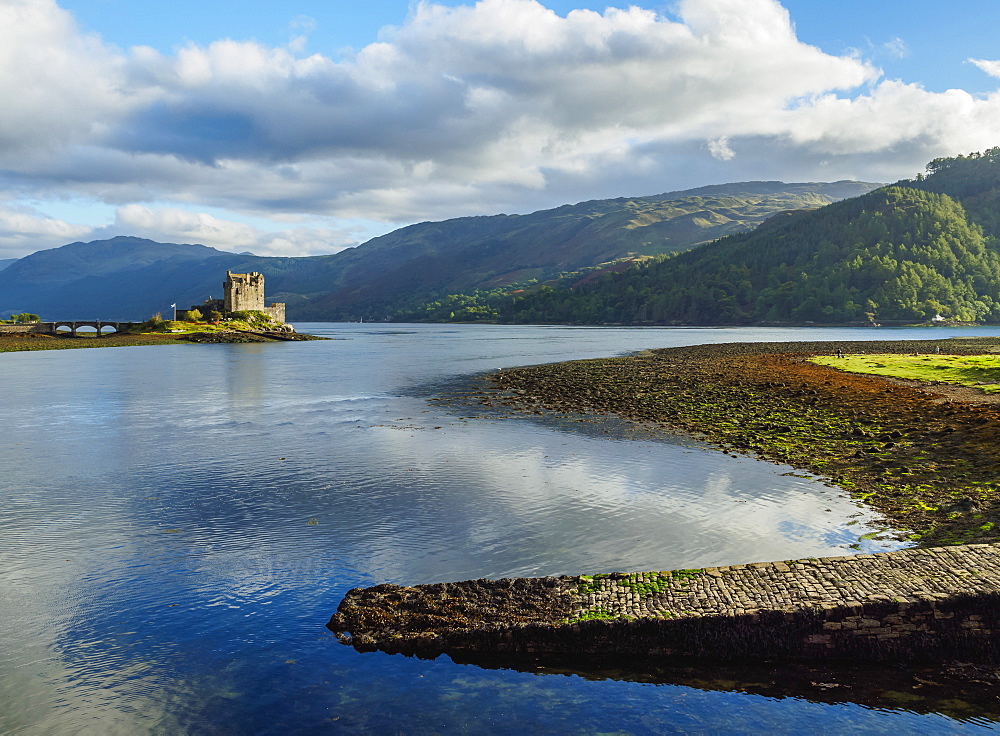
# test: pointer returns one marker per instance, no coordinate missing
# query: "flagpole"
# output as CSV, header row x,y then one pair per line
x,y
175,311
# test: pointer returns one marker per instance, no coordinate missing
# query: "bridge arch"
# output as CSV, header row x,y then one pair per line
x,y
101,327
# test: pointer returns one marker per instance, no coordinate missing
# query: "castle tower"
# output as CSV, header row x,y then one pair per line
x,y
244,291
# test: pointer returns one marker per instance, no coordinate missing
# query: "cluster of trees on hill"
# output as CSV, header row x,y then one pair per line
x,y
907,252
896,254
974,180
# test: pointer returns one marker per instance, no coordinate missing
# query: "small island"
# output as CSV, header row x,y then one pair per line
x,y
241,316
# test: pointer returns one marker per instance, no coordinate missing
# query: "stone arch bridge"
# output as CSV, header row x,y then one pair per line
x,y
52,328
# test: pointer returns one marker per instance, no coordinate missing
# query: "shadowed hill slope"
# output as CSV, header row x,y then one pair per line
x,y
130,278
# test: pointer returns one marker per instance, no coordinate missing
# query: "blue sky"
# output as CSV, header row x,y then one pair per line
x,y
305,127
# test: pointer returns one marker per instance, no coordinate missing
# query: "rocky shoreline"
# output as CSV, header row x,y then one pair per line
x,y
925,460
923,455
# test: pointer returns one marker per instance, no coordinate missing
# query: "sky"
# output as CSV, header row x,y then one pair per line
x,y
304,127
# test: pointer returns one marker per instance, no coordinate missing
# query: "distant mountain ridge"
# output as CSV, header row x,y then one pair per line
x,y
119,278
131,278
472,253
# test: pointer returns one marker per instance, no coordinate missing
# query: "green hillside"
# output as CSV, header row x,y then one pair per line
x,y
420,263
974,180
900,253
131,278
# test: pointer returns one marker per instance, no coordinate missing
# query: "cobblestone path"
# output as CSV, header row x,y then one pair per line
x,y
905,576
930,602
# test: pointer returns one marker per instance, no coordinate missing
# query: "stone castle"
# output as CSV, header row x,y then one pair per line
x,y
242,292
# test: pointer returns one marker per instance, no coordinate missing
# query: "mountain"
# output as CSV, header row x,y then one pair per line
x,y
130,278
481,253
5,262
123,278
106,279
907,252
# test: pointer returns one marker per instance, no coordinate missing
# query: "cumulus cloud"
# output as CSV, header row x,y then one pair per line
x,y
24,230
499,106
719,148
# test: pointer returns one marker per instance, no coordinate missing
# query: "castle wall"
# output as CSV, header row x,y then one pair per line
x,y
276,311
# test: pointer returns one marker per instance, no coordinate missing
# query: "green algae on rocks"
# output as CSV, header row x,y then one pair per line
x,y
929,465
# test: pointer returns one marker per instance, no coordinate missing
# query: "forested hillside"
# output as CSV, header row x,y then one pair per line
x,y
974,180
419,263
895,254
908,252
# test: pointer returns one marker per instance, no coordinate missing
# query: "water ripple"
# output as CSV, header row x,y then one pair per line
x,y
168,557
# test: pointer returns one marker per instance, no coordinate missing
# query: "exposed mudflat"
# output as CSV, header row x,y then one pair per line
x,y
21,342
927,456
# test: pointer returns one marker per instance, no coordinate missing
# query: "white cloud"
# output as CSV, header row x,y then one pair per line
x,y
897,47
182,226
500,106
60,86
24,230
719,148
990,67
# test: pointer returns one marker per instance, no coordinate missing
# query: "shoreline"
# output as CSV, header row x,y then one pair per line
x,y
922,455
15,342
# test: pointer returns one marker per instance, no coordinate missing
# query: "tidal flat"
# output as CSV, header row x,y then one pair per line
x,y
14,343
924,460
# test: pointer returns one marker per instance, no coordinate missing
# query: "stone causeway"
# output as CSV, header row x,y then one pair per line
x,y
913,604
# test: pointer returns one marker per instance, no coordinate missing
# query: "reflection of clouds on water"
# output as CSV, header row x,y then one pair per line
x,y
160,566
57,677
533,501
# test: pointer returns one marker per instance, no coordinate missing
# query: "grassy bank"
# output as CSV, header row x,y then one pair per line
x,y
980,371
930,466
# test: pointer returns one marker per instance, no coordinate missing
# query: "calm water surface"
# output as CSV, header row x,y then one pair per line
x,y
177,524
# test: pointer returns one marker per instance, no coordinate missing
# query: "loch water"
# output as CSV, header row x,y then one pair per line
x,y
177,524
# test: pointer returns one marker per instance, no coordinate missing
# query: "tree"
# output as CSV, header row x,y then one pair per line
x,y
26,318
194,315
